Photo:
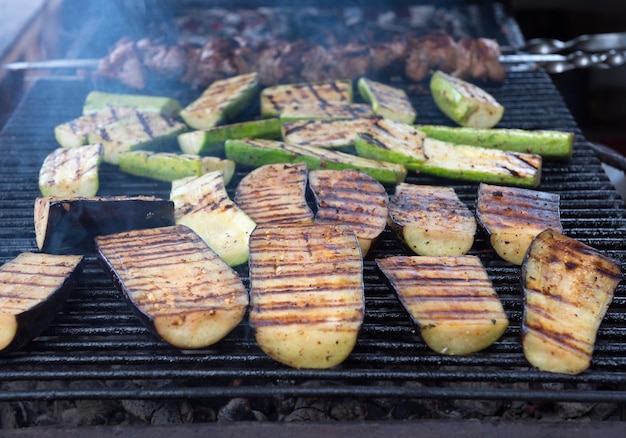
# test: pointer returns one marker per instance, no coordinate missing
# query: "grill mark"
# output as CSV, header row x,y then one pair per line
x,y
562,339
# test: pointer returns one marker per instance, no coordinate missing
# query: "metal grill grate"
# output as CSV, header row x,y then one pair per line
x,y
97,341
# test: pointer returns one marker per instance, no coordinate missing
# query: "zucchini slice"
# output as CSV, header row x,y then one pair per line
x,y
568,287
352,198
431,220
511,217
450,299
327,133
275,193
306,292
76,132
98,100
323,111
33,289
180,289
387,101
71,171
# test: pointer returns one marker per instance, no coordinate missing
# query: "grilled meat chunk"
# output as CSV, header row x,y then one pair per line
x,y
177,286
33,288
568,287
306,292
511,217
450,299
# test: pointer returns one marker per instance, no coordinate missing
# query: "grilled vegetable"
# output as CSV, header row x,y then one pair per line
x,y
71,172
221,101
275,193
97,101
275,99
177,286
511,217
548,144
306,292
450,299
568,287
327,133
167,166
352,198
392,141
33,289
204,142
471,163
202,204
387,101
76,132
431,220
463,102
69,225
259,152
321,110
139,131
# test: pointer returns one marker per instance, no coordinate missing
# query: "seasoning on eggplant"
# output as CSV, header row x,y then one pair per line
x,y
69,225
202,204
463,102
138,131
76,132
326,133
277,97
431,220
318,110
387,101
71,171
98,100
450,299
306,292
257,152
211,141
275,193
568,287
178,287
222,100
33,289
169,166
352,198
511,217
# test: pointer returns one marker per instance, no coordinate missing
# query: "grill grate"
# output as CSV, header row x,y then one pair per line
x,y
98,342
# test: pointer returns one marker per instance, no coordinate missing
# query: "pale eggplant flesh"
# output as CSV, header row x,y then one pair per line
x,y
178,287
33,289
306,292
568,287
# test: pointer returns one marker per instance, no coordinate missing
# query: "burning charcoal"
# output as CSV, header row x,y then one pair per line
x,y
238,409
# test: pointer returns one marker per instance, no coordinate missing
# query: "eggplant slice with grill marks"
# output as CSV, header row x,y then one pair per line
x,y
451,300
178,287
306,292
33,289
568,287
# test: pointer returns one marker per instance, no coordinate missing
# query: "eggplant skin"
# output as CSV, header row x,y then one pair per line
x,y
33,289
568,287
69,225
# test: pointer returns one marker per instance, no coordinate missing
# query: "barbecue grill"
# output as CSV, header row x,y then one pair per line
x,y
96,349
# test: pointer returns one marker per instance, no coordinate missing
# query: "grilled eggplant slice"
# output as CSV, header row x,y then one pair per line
x,y
211,141
202,204
97,101
568,287
450,299
319,110
221,101
275,193
352,198
431,220
69,225
179,288
76,132
33,289
275,99
306,292
139,131
258,152
511,217
387,101
71,172
168,166
465,103
327,133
